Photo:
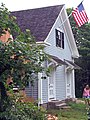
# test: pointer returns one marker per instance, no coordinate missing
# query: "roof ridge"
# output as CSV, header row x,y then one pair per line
x,y
38,8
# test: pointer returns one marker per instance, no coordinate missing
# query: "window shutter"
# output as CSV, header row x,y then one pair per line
x,y
57,37
63,40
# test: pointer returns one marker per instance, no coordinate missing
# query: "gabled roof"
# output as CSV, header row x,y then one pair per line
x,y
39,20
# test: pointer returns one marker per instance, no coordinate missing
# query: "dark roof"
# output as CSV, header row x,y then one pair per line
x,y
73,64
39,20
58,60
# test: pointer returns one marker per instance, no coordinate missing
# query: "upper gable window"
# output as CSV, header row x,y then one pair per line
x,y
59,39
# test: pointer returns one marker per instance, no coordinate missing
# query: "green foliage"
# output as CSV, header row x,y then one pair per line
x,y
78,106
20,58
7,21
22,111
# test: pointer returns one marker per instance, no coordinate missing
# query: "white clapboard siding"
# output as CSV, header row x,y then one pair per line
x,y
32,91
60,83
45,90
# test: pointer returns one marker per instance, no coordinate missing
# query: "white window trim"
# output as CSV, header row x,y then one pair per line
x,y
61,40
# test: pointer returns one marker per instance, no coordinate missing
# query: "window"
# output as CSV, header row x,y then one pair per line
x,y
59,39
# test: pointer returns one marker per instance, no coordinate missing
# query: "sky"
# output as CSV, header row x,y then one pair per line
x,y
15,5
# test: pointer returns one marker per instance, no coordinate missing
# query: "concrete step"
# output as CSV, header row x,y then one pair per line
x,y
62,106
56,104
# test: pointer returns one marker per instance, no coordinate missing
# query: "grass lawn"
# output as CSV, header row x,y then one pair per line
x,y
76,112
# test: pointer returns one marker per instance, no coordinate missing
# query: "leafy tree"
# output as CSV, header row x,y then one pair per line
x,y
20,58
82,38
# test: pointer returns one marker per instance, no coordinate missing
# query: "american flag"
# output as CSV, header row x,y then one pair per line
x,y
80,15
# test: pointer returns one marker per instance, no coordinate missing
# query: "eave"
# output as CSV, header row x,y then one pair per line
x,y
43,43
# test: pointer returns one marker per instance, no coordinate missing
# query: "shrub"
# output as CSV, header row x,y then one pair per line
x,y
22,111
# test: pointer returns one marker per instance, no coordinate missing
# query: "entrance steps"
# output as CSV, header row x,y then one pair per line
x,y
56,104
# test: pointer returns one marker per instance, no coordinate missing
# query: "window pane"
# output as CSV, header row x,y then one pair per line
x,y
59,39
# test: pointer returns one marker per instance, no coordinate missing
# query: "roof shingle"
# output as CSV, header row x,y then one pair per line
x,y
39,20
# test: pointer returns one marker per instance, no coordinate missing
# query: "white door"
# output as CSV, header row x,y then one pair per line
x,y
52,85
68,84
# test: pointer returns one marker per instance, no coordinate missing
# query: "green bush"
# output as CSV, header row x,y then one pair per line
x,y
22,111
79,106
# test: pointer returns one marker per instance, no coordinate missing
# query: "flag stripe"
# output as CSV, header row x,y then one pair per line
x,y
80,15
76,17
84,16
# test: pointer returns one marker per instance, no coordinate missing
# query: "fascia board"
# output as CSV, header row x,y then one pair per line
x,y
71,37
53,25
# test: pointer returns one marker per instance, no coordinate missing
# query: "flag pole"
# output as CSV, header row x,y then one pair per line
x,y
82,1
65,20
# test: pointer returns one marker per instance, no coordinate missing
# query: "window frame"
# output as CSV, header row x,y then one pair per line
x,y
59,38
